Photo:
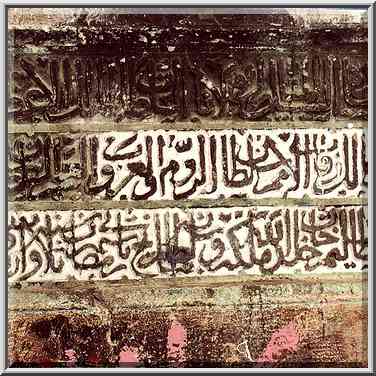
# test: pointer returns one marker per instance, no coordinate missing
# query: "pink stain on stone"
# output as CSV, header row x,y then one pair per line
x,y
128,356
285,339
176,339
71,357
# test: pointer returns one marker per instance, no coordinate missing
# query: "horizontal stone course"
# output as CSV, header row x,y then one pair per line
x,y
228,322
182,165
145,243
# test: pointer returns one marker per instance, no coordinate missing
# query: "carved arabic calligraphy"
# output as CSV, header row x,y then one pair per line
x,y
139,243
163,165
170,87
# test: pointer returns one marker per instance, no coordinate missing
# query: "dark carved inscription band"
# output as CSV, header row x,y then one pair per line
x,y
192,87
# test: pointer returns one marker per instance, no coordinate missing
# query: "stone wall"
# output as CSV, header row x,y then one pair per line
x,y
187,189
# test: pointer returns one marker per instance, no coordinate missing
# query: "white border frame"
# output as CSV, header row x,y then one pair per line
x,y
146,5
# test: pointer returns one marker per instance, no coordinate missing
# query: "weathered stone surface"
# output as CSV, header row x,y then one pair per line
x,y
188,68
319,322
